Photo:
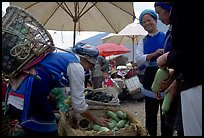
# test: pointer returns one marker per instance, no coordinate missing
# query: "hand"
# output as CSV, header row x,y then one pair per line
x,y
97,120
101,121
159,52
166,83
162,60
172,89
156,53
158,96
163,85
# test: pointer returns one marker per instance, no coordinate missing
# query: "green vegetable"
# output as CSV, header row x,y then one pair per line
x,y
166,103
104,129
68,100
113,115
110,119
121,114
112,123
121,123
127,124
96,127
114,129
60,98
161,74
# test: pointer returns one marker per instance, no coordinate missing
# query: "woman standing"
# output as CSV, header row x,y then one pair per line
x,y
173,116
185,60
147,51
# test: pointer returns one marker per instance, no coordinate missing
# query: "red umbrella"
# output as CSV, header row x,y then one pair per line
x,y
108,49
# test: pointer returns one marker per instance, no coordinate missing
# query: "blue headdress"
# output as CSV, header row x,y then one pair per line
x,y
164,5
148,11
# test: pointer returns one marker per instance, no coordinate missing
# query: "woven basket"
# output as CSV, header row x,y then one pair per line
x,y
135,128
110,91
98,103
133,84
24,39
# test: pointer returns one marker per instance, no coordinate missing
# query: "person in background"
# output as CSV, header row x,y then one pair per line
x,y
88,78
173,118
184,59
28,100
147,51
132,70
108,81
97,72
114,74
113,68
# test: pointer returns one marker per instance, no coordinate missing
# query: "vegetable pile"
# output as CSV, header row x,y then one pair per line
x,y
98,96
117,120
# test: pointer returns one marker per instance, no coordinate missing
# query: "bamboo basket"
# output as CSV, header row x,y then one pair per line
x,y
135,129
109,91
94,103
24,41
133,84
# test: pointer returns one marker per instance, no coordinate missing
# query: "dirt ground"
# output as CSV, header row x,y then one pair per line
x,y
137,108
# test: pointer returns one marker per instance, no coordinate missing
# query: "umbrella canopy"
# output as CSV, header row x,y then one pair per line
x,y
131,34
81,16
108,49
119,59
3,13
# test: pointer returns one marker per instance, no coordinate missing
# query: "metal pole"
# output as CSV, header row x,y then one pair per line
x,y
74,33
133,39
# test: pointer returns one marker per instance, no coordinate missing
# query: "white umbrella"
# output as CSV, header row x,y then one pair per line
x,y
81,16
3,13
131,34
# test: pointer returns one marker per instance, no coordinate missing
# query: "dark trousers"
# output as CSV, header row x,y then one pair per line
x,y
87,81
173,118
152,106
28,132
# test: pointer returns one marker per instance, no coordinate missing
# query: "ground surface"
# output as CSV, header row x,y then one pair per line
x,y
137,108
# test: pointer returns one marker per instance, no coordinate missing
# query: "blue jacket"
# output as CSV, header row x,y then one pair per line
x,y
151,44
37,113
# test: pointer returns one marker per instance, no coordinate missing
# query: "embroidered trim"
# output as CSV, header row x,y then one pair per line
x,y
16,94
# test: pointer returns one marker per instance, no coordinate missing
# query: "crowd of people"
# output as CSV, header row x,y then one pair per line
x,y
83,67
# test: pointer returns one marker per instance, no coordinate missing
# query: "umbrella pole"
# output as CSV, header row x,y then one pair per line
x,y
74,33
133,49
136,41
